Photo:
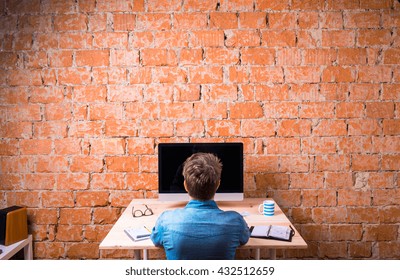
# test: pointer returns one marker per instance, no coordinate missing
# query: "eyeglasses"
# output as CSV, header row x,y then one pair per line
x,y
139,213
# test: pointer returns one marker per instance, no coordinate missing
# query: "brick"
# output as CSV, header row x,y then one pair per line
x,y
386,145
153,128
308,5
389,214
29,112
97,22
365,162
53,199
286,198
317,110
343,4
212,38
363,127
289,128
35,146
206,74
237,5
109,40
169,75
271,74
115,181
246,110
391,127
329,215
122,164
82,250
370,19
124,22
338,74
391,56
360,249
113,146
92,198
24,77
258,56
385,196
272,38
189,21
275,93
330,128
11,181
74,76
223,20
179,110
223,128
282,21
338,38
363,92
141,146
71,22
308,20
302,74
389,250
275,5
242,38
372,37
106,215
124,58
380,109
319,56
346,232
43,216
158,57
307,181
380,232
106,111
86,164
332,20
253,20
283,146
142,181
77,40
289,56
221,56
157,21
258,128
27,198
261,163
51,164
332,163
350,110
375,4
191,128
273,181
318,145
215,93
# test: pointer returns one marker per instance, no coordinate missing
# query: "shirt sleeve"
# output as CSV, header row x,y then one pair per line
x,y
245,235
157,232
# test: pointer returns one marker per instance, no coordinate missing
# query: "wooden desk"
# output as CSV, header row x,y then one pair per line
x,y
117,238
11,250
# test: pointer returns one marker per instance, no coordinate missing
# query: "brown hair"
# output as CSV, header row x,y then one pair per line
x,y
202,173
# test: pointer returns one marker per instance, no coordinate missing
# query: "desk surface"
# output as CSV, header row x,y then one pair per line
x,y
117,238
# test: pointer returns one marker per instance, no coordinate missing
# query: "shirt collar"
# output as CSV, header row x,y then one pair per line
x,y
207,204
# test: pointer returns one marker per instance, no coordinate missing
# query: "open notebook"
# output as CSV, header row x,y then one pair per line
x,y
284,233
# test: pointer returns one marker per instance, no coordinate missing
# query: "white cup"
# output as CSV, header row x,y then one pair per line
x,y
267,208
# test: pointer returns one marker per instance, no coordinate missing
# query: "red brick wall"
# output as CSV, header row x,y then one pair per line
x,y
89,88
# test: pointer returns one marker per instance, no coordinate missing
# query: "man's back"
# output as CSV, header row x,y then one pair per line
x,y
200,231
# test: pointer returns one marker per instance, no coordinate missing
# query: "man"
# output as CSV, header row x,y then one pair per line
x,y
200,230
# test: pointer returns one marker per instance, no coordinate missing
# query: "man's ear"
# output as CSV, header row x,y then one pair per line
x,y
184,184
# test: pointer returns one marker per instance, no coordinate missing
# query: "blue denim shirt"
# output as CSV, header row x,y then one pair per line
x,y
200,231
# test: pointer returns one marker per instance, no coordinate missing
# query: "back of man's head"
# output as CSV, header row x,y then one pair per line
x,y
202,174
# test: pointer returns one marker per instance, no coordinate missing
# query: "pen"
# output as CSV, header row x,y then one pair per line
x,y
147,229
143,235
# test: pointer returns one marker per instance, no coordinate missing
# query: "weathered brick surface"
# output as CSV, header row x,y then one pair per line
x,y
312,88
